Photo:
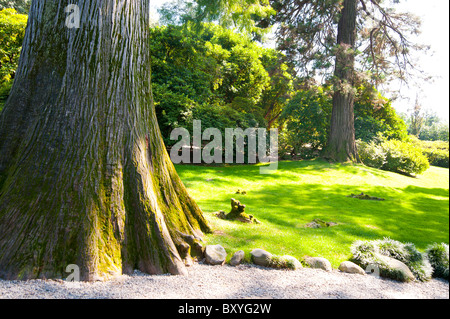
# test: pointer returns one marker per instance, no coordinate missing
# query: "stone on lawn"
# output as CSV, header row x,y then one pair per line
x,y
261,257
351,268
215,255
293,262
396,265
319,263
237,258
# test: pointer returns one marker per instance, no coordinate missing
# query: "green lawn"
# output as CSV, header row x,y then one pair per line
x,y
416,209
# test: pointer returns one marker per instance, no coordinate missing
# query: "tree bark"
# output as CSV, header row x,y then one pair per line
x,y
341,146
84,175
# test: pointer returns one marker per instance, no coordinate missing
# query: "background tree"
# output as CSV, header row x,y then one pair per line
x,y
432,127
84,175
417,119
280,89
305,120
363,39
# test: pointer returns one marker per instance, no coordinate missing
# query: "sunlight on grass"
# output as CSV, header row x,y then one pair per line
x,y
415,210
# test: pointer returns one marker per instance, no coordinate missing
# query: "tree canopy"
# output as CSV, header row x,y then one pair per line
x,y
217,76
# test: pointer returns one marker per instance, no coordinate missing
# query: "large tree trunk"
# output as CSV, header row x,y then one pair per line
x,y
84,176
341,146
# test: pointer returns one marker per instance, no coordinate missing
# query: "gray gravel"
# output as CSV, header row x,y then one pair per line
x,y
226,282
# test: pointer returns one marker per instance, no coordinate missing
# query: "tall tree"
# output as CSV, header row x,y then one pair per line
x,y
417,119
341,144
365,41
84,175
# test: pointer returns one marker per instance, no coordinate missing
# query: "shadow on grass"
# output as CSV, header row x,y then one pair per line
x,y
410,214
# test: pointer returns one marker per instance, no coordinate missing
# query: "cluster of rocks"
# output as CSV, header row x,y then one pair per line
x,y
217,255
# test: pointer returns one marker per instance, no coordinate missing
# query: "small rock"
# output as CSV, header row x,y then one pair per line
x,y
215,255
293,262
396,265
318,223
237,258
351,268
319,263
261,257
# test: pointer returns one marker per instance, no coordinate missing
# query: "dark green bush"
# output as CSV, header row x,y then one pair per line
x,y
438,256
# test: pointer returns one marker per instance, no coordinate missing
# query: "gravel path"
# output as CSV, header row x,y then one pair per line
x,y
226,282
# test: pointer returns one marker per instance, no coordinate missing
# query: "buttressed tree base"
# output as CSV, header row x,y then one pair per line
x,y
84,175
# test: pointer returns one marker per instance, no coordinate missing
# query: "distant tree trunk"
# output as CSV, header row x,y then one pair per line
x,y
341,146
84,175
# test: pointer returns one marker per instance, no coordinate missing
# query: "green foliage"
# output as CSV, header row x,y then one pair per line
x,y
307,32
426,125
393,155
307,119
214,75
242,15
403,157
371,154
12,32
280,89
366,253
374,114
437,152
307,116
438,256
435,132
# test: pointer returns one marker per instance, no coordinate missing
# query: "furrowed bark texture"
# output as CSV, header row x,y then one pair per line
x,y
341,146
84,176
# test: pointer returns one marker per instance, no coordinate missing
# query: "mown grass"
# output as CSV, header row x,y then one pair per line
x,y
415,210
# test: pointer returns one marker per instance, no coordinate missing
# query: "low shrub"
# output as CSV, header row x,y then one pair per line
x,y
371,154
366,253
438,256
403,157
393,155
437,152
